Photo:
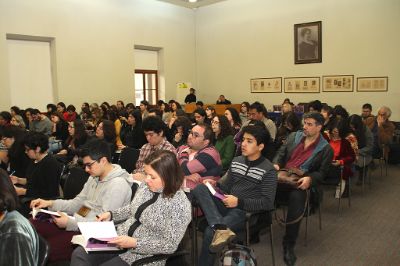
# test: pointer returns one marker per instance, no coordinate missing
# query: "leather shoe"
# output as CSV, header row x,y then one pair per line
x,y
288,256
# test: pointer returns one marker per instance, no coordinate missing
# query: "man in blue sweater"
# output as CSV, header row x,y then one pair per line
x,y
249,186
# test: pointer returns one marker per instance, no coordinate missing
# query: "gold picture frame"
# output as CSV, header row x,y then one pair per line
x,y
370,84
266,85
302,85
338,83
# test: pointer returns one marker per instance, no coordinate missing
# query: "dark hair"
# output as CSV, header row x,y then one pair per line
x,y
167,167
111,115
328,109
109,131
16,110
225,127
292,119
356,122
60,116
80,130
71,108
6,116
130,106
235,115
62,105
166,107
8,196
208,133
367,106
262,135
247,104
260,108
200,103
35,112
339,110
96,149
86,104
178,105
122,103
144,102
35,139
106,104
185,123
154,123
319,119
156,111
259,132
201,112
138,117
52,107
315,105
17,147
342,125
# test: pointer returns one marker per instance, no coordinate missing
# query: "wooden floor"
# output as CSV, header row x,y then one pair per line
x,y
367,233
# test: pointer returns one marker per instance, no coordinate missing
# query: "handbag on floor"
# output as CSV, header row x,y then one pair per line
x,y
238,255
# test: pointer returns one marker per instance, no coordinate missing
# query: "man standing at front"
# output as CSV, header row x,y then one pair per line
x,y
249,186
309,152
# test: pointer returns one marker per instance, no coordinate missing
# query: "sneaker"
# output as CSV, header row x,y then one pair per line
x,y
221,239
337,192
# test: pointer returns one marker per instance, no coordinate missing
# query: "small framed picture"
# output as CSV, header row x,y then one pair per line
x,y
338,83
372,84
266,85
308,43
302,85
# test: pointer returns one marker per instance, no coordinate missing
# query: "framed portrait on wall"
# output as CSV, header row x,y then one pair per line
x,y
308,43
302,85
262,85
338,83
368,84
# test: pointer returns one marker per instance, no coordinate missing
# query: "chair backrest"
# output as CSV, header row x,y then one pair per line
x,y
44,251
74,182
127,159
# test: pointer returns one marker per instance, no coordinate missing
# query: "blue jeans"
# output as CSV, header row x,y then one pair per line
x,y
215,213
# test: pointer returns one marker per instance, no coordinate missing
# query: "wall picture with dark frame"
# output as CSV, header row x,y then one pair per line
x,y
308,43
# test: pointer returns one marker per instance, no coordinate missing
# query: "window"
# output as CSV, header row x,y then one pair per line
x,y
146,86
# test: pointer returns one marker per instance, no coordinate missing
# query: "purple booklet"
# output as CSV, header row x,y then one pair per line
x,y
214,192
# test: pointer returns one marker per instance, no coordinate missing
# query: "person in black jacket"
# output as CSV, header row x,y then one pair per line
x,y
191,97
43,173
132,134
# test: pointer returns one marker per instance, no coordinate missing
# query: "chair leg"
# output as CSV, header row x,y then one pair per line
x,y
349,186
308,214
247,233
271,237
320,217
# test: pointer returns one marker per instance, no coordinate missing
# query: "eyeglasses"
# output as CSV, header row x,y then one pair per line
x,y
89,165
215,122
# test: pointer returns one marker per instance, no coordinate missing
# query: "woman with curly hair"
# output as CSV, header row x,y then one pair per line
x,y
224,140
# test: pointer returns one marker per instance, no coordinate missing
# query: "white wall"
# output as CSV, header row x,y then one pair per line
x,y
238,40
94,43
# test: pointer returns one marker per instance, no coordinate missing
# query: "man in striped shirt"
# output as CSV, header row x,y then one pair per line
x,y
249,186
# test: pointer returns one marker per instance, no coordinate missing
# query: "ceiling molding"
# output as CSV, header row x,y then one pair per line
x,y
186,3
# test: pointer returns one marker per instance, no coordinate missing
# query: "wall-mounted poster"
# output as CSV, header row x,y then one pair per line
x,y
266,85
372,84
338,83
302,85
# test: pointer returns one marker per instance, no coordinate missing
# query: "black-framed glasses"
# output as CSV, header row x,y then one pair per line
x,y
89,165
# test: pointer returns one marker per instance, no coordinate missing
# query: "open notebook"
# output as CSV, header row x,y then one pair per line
x,y
95,236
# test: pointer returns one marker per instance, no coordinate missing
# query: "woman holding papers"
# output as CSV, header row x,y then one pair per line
x,y
155,221
19,242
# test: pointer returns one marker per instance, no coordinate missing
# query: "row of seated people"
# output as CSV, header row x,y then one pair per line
x,y
194,150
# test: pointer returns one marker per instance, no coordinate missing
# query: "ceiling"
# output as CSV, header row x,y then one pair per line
x,y
185,3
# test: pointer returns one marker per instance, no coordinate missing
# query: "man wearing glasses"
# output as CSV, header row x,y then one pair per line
x,y
308,152
107,189
199,159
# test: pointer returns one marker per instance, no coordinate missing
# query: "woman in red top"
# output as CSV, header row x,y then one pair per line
x,y
343,154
